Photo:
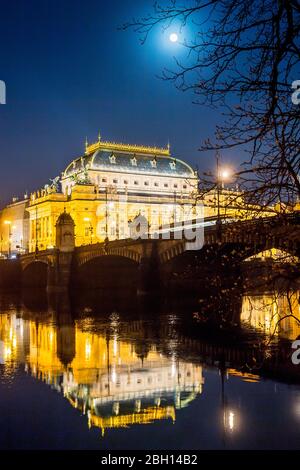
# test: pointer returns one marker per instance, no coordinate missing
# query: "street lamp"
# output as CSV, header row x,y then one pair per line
x,y
37,232
109,204
90,228
91,233
222,175
8,223
225,174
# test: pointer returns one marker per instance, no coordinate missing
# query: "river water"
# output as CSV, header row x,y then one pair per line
x,y
106,371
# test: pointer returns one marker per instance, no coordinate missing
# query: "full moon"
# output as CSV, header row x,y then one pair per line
x,y
173,37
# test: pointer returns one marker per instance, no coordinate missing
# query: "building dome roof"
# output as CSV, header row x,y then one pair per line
x,y
135,160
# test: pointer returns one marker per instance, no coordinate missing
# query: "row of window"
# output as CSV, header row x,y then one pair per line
x,y
40,228
133,161
146,183
140,380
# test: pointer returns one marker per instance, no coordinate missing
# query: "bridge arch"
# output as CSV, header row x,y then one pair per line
x,y
279,255
102,251
238,245
35,274
242,250
109,271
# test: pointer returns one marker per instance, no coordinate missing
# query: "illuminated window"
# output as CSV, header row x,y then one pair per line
x,y
133,161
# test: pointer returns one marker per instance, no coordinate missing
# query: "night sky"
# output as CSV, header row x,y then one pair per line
x,y
70,73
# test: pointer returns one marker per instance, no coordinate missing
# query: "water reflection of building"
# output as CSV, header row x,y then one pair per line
x,y
105,377
14,338
273,313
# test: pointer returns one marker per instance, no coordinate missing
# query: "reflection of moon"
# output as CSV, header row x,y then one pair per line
x,y
173,37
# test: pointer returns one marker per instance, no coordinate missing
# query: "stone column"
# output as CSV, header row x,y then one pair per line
x,y
149,269
59,270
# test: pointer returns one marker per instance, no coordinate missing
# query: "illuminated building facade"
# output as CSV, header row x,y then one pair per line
x,y
106,190
273,313
108,187
14,227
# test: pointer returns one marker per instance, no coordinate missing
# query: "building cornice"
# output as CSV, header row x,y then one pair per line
x,y
115,146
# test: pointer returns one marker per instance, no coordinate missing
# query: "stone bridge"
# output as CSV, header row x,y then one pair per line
x,y
142,261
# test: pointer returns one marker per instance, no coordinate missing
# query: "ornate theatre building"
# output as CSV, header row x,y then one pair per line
x,y
104,190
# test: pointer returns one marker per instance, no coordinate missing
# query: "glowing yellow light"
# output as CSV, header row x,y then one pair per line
x,y
88,350
225,174
7,222
114,376
7,351
86,219
173,37
115,346
267,322
231,421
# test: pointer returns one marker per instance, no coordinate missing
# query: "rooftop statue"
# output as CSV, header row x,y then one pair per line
x,y
54,186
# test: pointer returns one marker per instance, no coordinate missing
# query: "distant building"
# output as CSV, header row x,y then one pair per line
x,y
14,228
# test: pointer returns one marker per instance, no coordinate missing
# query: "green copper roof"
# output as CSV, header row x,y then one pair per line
x,y
131,163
